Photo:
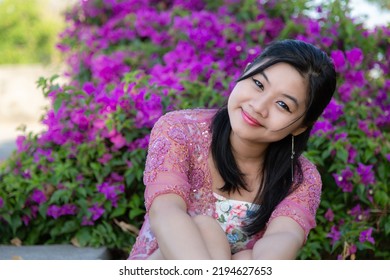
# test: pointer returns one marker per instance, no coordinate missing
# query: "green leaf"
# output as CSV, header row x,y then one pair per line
x,y
57,103
83,236
119,211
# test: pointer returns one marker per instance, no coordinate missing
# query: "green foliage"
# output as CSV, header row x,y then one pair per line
x,y
27,34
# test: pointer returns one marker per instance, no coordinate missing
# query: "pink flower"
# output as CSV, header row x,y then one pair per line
x,y
99,124
118,140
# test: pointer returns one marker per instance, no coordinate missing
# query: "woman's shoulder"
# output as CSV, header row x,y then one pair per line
x,y
189,123
309,169
190,115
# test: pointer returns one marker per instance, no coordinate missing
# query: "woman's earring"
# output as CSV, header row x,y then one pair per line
x,y
292,158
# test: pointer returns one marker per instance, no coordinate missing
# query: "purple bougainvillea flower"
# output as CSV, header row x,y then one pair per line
x,y
87,222
25,220
21,143
79,118
365,235
359,213
363,126
388,157
111,191
41,153
105,158
313,27
333,111
56,211
96,212
338,60
352,153
343,180
99,124
322,127
326,41
329,215
38,196
115,177
354,56
341,136
334,234
345,91
352,249
109,68
366,174
356,78
107,190
26,174
1,202
89,88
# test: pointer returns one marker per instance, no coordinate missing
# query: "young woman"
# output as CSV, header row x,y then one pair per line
x,y
232,183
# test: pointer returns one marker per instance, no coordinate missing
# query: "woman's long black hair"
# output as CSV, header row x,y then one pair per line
x,y
318,69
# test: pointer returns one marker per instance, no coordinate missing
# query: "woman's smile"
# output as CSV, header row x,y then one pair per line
x,y
249,120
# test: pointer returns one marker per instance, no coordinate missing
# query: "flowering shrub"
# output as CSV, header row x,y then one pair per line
x,y
130,61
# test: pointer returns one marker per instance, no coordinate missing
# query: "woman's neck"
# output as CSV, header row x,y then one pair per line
x,y
248,156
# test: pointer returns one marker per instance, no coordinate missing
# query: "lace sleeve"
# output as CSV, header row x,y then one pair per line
x,y
302,204
167,162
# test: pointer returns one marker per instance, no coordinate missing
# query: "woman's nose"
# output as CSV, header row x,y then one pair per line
x,y
260,105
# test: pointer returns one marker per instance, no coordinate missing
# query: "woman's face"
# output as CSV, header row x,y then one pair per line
x,y
269,106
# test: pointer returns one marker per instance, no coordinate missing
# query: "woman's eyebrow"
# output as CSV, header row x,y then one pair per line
x,y
265,76
292,98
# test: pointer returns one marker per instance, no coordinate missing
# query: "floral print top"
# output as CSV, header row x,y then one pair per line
x,y
232,216
177,162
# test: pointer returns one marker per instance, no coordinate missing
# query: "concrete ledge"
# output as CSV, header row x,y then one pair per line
x,y
53,252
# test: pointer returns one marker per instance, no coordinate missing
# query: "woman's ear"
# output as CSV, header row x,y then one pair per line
x,y
299,130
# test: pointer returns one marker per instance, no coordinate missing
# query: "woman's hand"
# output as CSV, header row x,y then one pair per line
x,y
177,235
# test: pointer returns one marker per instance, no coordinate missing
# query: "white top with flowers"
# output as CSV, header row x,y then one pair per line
x,y
232,215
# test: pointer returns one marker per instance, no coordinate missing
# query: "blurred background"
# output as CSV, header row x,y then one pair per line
x,y
28,34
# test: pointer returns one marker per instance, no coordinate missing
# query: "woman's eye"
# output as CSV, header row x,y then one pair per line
x,y
284,106
258,83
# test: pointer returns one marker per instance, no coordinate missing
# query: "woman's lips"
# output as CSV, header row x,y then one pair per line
x,y
248,119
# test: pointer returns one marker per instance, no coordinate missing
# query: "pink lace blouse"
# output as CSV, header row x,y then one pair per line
x,y
177,163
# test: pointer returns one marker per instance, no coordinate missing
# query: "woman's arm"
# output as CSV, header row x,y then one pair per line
x,y
177,235
212,234
282,240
